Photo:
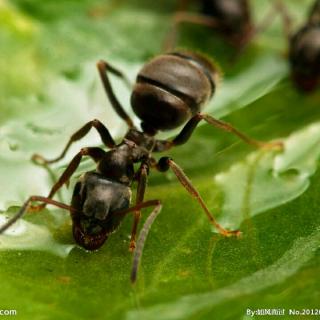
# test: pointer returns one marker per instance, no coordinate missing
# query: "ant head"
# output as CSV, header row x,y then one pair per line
x,y
86,240
171,88
93,201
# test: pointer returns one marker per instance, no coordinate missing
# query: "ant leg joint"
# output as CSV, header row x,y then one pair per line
x,y
157,203
164,164
199,116
84,151
33,198
101,64
145,168
38,159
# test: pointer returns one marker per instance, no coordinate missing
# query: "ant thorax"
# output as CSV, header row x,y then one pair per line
x,y
141,139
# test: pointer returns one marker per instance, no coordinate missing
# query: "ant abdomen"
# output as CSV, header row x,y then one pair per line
x,y
172,88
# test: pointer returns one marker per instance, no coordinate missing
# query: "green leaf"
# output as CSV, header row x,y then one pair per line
x,y
51,88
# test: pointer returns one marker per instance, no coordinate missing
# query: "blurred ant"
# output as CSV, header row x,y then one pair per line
x,y
170,91
232,19
304,48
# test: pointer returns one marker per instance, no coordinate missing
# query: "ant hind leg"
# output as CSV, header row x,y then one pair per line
x,y
188,129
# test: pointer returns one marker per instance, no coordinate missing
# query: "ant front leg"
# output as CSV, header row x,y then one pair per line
x,y
104,68
102,130
188,129
164,164
186,17
95,153
142,175
27,205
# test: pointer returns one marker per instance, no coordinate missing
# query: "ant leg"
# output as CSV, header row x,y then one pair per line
x,y
185,17
314,13
27,205
187,130
142,183
95,153
165,164
102,130
277,6
242,41
229,128
139,206
104,68
286,18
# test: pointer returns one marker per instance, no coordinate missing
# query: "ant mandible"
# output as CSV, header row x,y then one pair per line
x,y
170,91
304,48
230,18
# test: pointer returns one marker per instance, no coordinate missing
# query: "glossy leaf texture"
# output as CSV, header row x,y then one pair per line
x,y
50,88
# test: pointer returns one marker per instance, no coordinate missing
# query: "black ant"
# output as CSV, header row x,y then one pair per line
x,y
304,49
170,90
232,19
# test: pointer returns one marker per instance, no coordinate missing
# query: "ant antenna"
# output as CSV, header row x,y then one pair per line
x,y
141,241
27,205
